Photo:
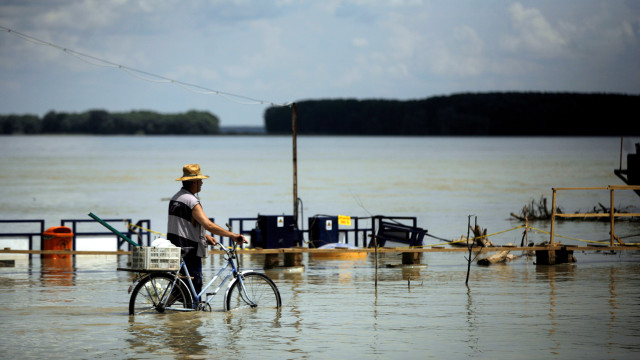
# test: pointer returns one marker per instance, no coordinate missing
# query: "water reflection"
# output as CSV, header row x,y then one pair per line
x,y
376,333
516,310
555,273
292,302
58,270
167,334
559,272
614,307
410,274
472,324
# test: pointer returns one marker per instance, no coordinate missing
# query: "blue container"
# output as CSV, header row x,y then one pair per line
x,y
274,232
323,230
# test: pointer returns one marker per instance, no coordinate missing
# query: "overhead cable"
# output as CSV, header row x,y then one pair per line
x,y
144,75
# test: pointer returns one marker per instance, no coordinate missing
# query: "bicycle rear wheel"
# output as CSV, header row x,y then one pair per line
x,y
149,294
260,291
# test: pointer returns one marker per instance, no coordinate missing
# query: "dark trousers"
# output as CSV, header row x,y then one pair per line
x,y
193,262
194,265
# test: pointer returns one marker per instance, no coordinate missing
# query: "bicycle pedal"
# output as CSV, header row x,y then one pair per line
x,y
185,277
210,294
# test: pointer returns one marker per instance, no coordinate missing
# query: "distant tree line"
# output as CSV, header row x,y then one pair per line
x,y
101,122
488,114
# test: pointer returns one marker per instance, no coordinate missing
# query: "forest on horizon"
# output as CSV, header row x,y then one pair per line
x,y
480,114
102,122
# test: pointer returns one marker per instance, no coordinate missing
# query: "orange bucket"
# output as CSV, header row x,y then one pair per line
x,y
57,238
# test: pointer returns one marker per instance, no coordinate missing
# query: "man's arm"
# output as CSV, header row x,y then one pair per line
x,y
199,215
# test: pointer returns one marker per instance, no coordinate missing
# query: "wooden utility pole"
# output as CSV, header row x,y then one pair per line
x,y
294,127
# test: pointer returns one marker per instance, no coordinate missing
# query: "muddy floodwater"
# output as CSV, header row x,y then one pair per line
x,y
332,310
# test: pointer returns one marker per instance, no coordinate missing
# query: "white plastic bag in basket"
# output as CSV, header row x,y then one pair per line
x,y
161,243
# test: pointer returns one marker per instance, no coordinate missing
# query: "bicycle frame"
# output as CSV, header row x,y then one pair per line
x,y
197,302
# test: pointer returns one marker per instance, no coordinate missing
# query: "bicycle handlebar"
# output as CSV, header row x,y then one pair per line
x,y
224,248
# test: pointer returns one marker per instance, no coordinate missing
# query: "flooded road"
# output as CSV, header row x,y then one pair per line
x,y
77,308
332,309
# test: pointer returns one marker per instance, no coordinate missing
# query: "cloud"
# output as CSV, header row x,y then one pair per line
x,y
287,50
533,34
462,55
360,42
84,15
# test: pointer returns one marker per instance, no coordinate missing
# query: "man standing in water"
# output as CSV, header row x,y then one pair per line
x,y
188,224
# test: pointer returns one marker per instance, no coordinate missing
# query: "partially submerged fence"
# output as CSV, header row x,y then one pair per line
x,y
87,234
30,236
84,235
612,215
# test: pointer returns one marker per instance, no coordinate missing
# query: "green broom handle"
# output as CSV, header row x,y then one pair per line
x,y
112,229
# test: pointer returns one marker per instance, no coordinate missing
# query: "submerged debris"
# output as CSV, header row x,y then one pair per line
x,y
480,239
540,211
536,211
498,257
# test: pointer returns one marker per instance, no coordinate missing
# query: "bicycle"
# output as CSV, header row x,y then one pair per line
x,y
159,291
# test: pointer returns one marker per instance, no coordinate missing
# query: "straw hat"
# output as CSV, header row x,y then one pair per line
x,y
191,172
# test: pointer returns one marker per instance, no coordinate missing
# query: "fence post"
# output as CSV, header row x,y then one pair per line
x,y
553,216
294,130
611,215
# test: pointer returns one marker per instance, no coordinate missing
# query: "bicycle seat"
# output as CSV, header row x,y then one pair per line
x,y
185,250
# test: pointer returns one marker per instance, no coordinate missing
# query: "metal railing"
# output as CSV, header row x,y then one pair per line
x,y
611,215
29,235
358,231
141,235
240,229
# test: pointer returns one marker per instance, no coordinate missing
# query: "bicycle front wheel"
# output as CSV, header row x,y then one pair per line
x,y
254,290
150,293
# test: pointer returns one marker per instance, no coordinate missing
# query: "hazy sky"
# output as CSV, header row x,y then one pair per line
x,y
290,50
